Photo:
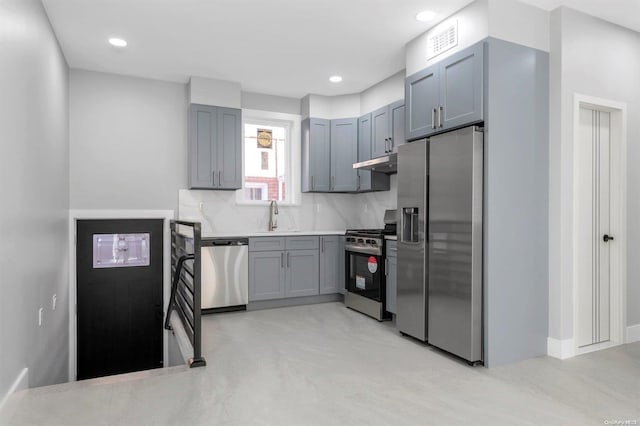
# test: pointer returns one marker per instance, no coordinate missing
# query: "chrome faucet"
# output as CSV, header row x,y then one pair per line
x,y
273,211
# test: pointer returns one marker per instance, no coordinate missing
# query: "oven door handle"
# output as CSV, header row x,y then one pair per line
x,y
363,250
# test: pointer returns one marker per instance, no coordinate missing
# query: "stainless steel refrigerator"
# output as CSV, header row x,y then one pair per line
x,y
445,308
411,298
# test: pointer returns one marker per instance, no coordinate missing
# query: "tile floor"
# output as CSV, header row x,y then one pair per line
x,y
327,365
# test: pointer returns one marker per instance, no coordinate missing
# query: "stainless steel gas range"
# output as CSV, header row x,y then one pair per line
x,y
365,268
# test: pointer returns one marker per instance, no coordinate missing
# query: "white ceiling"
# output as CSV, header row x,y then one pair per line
x,y
622,12
278,47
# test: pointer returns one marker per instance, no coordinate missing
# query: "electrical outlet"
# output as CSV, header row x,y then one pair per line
x,y
54,302
40,317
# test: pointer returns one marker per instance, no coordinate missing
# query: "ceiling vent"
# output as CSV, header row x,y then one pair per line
x,y
443,41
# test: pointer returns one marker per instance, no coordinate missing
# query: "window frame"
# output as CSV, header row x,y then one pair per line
x,y
291,123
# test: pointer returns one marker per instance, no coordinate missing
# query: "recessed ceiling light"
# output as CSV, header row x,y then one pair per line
x,y
425,15
335,79
118,42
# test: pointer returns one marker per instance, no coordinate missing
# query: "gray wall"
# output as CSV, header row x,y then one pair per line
x,y
128,142
385,92
34,189
595,58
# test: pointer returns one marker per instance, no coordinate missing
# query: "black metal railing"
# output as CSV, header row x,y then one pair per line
x,y
186,285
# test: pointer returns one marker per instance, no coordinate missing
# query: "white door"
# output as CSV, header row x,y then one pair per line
x,y
593,234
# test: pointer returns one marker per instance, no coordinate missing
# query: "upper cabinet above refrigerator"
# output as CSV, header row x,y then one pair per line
x,y
446,95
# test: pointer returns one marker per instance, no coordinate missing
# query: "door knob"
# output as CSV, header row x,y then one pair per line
x,y
607,238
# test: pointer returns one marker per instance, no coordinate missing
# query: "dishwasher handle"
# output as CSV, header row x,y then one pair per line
x,y
215,242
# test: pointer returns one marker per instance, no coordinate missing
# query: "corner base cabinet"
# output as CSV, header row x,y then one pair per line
x,y
298,266
281,267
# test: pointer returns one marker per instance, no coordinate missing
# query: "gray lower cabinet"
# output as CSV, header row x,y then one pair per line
x,y
281,267
446,95
342,267
266,275
391,272
330,257
302,278
215,150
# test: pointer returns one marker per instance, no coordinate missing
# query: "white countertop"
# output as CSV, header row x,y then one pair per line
x,y
276,233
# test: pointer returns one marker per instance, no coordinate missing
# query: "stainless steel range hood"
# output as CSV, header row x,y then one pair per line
x,y
385,164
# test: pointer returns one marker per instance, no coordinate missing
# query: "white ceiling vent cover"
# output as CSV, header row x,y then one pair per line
x,y
443,41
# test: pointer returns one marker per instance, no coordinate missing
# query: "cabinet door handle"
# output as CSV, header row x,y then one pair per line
x,y
322,240
282,259
333,183
433,118
390,144
213,178
288,259
385,267
312,183
358,187
440,113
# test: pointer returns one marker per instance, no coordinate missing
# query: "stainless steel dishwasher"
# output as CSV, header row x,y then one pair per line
x,y
225,274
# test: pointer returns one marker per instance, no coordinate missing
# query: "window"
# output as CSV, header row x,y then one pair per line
x,y
267,156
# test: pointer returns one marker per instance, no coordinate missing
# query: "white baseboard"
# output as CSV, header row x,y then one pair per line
x,y
21,382
561,349
633,333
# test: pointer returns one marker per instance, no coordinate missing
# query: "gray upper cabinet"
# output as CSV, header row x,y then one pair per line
x,y
446,95
422,97
364,151
380,131
316,155
215,150
461,78
330,255
387,129
229,148
397,113
344,152
202,146
266,275
368,180
329,149
302,278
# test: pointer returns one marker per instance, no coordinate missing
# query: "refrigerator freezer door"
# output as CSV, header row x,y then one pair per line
x,y
411,303
455,243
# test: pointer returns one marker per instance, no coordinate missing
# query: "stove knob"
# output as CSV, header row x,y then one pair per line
x,y
372,242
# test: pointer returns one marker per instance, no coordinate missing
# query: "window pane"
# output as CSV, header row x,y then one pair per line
x,y
120,250
265,149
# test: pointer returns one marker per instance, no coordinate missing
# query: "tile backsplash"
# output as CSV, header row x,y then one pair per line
x,y
219,213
